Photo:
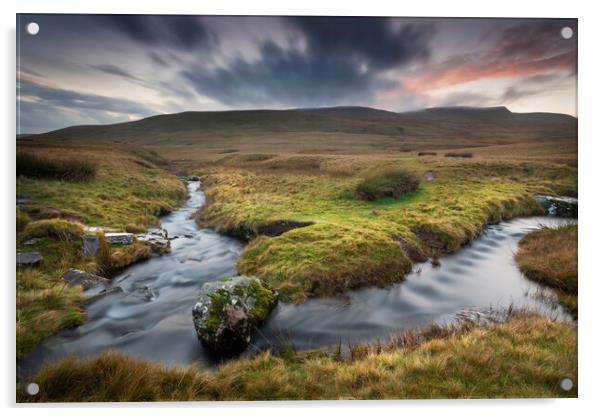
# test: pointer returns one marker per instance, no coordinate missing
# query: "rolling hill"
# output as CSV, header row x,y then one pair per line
x,y
433,126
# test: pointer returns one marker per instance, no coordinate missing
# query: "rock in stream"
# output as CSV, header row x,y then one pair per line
x,y
228,311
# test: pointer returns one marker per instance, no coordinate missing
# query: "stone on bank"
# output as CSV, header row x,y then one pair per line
x,y
228,311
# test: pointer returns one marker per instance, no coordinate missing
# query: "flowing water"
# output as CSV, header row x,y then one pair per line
x,y
152,318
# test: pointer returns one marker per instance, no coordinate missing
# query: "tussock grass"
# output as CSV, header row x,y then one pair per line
x,y
524,357
127,255
387,183
549,256
72,170
56,229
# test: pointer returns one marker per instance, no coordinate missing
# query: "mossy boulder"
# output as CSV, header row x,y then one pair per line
x,y
228,311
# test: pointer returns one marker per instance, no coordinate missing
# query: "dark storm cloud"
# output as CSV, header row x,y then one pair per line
x,y
158,59
535,39
182,32
115,70
372,40
343,61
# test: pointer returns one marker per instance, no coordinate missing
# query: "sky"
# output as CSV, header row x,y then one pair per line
x,y
100,69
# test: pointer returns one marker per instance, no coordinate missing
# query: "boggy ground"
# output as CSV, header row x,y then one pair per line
x,y
127,191
525,356
343,242
549,256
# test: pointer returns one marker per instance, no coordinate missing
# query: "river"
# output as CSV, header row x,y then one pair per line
x,y
152,318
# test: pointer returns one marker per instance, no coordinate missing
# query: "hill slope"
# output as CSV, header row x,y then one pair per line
x,y
482,125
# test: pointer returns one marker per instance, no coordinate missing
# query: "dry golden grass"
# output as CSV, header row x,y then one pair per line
x,y
525,357
550,256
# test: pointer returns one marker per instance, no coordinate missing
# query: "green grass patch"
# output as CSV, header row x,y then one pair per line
x,y
356,242
525,357
324,259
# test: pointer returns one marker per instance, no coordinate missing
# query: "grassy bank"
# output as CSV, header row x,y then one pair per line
x,y
525,357
129,185
549,256
64,185
354,241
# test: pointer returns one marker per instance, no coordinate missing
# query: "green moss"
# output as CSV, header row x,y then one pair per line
x,y
265,301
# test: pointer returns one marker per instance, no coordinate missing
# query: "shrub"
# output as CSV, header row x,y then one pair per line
x,y
387,183
427,153
458,154
55,229
71,170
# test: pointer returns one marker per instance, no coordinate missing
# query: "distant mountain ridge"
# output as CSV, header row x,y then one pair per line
x,y
444,122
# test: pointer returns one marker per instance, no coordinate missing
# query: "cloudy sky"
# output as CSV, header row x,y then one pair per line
x,y
90,69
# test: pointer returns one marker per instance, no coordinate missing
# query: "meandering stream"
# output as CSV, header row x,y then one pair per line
x,y
152,319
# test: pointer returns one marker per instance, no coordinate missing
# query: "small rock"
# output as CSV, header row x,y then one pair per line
x,y
157,238
102,294
558,206
120,238
160,232
91,244
31,258
229,310
23,199
429,176
34,241
86,280
193,178
142,294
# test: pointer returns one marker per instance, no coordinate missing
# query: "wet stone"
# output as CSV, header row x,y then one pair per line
x,y
558,206
34,241
32,258
228,311
84,279
120,238
91,244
